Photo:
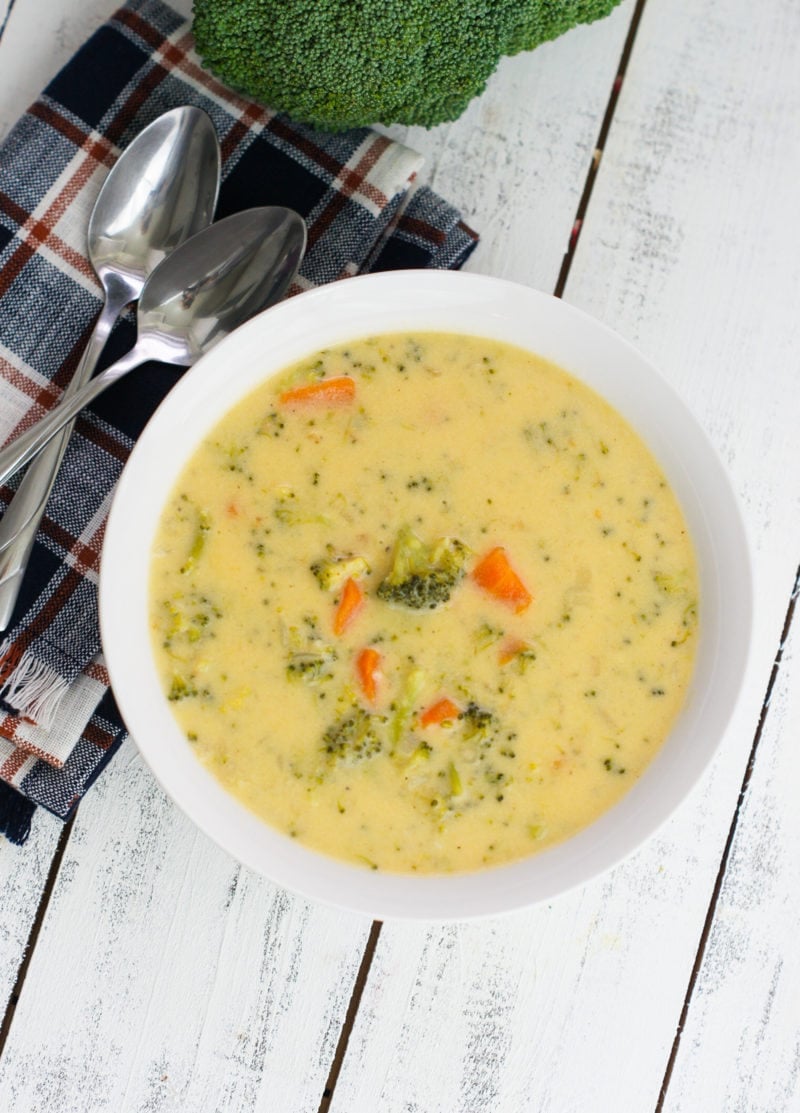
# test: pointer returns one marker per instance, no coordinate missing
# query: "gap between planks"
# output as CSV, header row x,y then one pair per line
x,y
605,127
350,1016
6,17
47,892
723,865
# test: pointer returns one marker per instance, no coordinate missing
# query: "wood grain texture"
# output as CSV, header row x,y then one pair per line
x,y
39,37
23,873
689,249
167,977
740,1050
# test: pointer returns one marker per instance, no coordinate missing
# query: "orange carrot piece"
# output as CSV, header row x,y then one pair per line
x,y
326,392
350,603
511,649
368,663
496,576
443,711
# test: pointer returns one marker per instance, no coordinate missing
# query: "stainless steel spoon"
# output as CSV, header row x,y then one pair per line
x,y
202,291
161,190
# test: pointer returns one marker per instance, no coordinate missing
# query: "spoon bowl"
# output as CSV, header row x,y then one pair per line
x,y
199,294
222,277
160,192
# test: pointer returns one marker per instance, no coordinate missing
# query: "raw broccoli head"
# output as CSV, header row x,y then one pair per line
x,y
422,576
339,64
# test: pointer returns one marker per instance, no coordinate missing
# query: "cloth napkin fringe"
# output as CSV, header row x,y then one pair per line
x,y
16,814
29,686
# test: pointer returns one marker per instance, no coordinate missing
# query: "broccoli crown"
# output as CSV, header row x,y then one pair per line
x,y
338,64
422,576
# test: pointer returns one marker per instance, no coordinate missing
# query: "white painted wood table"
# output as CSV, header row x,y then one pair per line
x,y
648,169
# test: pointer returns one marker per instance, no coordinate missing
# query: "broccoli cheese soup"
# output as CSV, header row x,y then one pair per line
x,y
424,603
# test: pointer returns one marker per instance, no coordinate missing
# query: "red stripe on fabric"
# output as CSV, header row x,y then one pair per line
x,y
10,207
41,230
171,54
29,749
355,180
9,661
99,148
422,229
12,765
43,395
138,25
139,95
59,123
85,555
104,440
52,605
13,268
352,180
95,734
239,130
323,222
280,128
95,671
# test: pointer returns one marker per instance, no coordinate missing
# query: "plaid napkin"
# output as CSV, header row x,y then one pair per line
x,y
58,722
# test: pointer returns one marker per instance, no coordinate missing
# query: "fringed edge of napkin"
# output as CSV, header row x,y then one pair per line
x,y
29,686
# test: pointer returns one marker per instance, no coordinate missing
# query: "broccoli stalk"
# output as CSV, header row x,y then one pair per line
x,y
422,577
337,64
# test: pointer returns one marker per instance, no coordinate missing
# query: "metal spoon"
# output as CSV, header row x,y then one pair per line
x,y
161,190
202,291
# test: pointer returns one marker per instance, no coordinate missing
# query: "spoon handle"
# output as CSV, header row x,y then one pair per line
x,y
20,522
33,440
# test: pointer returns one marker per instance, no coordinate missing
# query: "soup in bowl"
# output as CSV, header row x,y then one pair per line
x,y
412,595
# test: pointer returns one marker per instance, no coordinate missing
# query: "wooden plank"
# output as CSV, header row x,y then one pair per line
x,y
740,1047
690,249
23,874
166,976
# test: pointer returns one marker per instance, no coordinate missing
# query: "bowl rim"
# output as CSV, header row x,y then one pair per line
x,y
489,306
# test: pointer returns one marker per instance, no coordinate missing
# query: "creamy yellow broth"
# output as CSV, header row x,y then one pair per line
x,y
559,703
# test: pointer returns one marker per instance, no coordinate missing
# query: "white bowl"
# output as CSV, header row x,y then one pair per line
x,y
456,302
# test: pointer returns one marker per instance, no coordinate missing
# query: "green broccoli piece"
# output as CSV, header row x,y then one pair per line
x,y
352,737
403,707
338,64
311,667
422,576
331,573
477,722
309,657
